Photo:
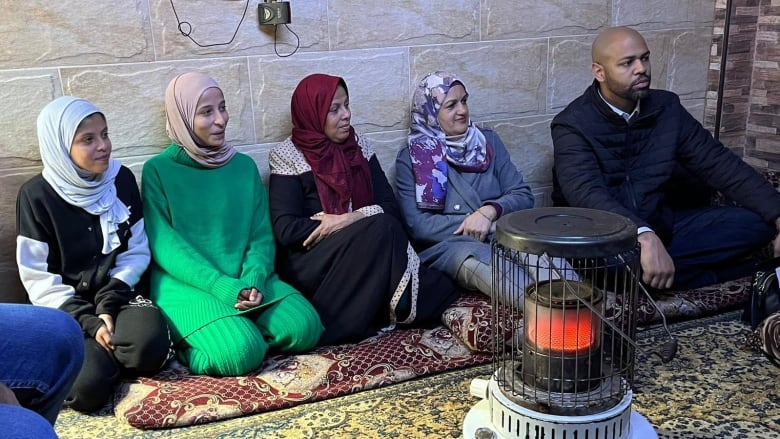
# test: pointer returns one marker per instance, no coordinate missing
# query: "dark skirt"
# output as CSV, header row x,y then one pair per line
x,y
350,278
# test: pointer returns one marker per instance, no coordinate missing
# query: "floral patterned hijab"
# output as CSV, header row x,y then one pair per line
x,y
431,151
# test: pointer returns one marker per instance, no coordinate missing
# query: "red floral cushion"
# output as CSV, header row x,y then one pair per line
x,y
685,304
175,397
470,319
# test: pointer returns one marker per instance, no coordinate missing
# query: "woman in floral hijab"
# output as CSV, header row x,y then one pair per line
x,y
454,181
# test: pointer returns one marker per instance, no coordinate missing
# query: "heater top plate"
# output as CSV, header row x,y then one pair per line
x,y
566,232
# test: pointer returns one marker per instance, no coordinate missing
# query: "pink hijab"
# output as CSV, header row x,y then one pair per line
x,y
181,101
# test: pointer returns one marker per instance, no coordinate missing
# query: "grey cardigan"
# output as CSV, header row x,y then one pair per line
x,y
432,231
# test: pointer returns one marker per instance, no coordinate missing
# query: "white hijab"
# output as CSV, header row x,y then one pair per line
x,y
57,125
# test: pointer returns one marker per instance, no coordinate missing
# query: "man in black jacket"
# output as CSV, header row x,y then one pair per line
x,y
626,148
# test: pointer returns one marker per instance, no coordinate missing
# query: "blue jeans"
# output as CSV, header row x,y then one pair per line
x,y
709,245
41,352
21,423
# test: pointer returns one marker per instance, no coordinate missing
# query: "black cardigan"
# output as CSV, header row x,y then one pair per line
x,y
66,241
647,168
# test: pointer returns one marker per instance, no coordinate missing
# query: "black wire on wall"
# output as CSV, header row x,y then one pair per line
x,y
188,31
185,28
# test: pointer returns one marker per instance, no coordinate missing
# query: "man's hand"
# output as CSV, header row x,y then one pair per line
x,y
7,395
248,298
329,224
478,224
105,332
657,265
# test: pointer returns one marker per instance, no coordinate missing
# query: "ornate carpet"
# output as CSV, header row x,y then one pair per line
x,y
714,388
176,398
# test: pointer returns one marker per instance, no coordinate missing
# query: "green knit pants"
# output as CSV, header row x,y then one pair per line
x,y
236,345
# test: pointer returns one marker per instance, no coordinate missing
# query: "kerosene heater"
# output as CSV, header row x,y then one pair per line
x,y
565,369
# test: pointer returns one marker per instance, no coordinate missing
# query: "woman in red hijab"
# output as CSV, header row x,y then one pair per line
x,y
338,225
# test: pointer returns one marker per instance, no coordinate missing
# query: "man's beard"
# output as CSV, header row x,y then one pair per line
x,y
636,94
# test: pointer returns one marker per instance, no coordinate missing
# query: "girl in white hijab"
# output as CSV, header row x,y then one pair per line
x,y
81,247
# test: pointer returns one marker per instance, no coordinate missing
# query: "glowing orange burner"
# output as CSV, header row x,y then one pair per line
x,y
565,332
562,342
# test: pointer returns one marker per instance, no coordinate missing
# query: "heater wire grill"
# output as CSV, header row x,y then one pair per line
x,y
568,348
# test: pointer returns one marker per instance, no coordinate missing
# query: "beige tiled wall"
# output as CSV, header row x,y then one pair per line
x,y
523,61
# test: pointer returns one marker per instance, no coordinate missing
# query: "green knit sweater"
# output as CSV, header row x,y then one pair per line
x,y
210,234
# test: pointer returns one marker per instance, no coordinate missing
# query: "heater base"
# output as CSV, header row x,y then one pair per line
x,y
477,424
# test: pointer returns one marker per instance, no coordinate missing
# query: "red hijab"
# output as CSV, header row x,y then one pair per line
x,y
340,170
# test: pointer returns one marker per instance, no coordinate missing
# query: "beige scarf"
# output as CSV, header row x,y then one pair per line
x,y
181,102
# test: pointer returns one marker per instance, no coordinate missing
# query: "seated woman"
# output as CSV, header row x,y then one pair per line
x,y
454,181
337,222
212,244
82,248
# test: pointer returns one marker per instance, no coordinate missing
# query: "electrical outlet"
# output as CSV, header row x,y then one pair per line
x,y
273,13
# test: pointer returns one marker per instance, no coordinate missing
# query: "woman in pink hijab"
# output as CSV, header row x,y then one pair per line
x,y
212,245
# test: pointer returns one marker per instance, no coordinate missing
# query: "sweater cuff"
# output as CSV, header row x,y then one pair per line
x,y
91,324
226,289
499,209
255,279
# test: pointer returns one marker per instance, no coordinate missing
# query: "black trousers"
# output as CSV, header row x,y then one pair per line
x,y
709,245
141,347
350,277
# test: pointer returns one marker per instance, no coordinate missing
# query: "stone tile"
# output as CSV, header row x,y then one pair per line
x,y
542,196
663,14
688,63
695,107
679,60
529,143
733,140
39,33
259,153
763,123
732,124
213,23
386,146
570,71
756,162
10,181
377,81
768,143
505,79
504,19
133,98
27,91
136,164
378,23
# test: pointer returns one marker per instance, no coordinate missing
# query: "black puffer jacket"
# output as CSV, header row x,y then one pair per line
x,y
649,167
